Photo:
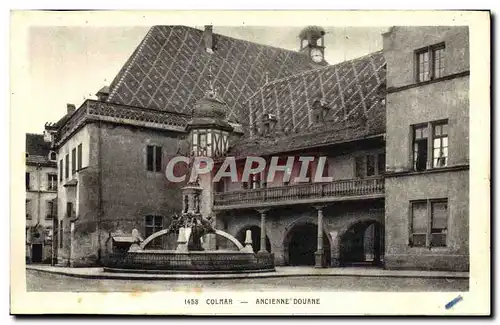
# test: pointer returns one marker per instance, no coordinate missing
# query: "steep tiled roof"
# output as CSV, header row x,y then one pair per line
x,y
170,67
38,150
353,92
36,145
347,88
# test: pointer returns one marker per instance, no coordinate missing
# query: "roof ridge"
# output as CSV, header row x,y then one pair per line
x,y
301,73
130,62
259,44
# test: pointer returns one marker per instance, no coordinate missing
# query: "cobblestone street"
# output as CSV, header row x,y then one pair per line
x,y
41,281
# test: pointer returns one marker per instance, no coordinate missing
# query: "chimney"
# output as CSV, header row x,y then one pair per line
x,y
70,108
208,38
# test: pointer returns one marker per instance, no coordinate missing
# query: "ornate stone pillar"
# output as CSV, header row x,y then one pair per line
x,y
320,251
262,230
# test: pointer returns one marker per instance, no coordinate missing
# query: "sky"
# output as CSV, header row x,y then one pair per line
x,y
70,64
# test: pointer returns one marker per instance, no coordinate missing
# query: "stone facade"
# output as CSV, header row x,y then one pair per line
x,y
41,199
410,103
115,192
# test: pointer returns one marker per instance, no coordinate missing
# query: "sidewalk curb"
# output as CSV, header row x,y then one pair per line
x,y
121,276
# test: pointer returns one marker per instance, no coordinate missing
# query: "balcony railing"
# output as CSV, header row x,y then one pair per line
x,y
302,193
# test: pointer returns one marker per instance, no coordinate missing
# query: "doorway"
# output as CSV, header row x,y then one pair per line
x,y
362,245
36,253
301,245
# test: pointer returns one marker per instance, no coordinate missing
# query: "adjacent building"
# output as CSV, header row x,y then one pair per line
x,y
391,192
427,143
41,197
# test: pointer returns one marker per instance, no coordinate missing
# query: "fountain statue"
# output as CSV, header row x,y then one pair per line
x,y
189,256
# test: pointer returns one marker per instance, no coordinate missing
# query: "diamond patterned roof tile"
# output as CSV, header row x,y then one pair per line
x,y
169,68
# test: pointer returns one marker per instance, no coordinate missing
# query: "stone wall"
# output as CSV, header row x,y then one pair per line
x,y
440,99
399,192
115,192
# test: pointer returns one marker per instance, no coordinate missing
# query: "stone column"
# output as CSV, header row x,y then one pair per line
x,y
262,231
319,252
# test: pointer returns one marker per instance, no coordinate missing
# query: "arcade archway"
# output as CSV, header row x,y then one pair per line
x,y
255,238
300,245
362,244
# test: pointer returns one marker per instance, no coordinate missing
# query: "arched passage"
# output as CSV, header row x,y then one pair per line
x,y
255,238
362,244
300,245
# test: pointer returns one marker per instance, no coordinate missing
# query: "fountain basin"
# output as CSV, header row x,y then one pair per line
x,y
192,262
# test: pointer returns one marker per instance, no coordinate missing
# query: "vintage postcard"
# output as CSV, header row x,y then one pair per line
x,y
250,163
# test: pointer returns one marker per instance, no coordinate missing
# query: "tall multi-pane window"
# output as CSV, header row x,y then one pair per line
x,y
440,145
423,66
52,182
437,139
369,165
439,223
420,135
153,158
419,224
61,170
66,166
359,166
79,166
438,57
51,210
73,161
154,224
429,223
430,62
381,163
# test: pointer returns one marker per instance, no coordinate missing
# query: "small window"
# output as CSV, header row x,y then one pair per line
x,y
154,158
154,224
52,156
80,163
52,182
69,210
28,209
27,181
73,161
66,166
430,62
254,181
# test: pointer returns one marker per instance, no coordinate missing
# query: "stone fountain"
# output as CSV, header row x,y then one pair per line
x,y
190,255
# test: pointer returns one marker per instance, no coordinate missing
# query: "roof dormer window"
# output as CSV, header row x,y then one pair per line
x,y
320,109
52,156
269,122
